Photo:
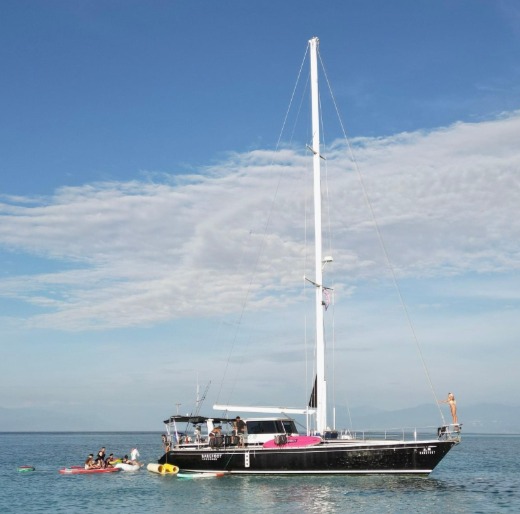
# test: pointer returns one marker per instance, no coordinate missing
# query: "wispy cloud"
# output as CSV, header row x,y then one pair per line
x,y
137,253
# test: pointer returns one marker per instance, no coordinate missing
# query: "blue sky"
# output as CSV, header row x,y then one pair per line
x,y
137,171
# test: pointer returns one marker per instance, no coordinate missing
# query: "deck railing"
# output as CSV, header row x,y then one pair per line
x,y
445,432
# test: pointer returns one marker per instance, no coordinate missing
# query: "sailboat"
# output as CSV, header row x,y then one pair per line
x,y
273,445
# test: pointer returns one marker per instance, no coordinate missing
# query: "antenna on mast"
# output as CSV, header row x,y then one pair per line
x,y
201,400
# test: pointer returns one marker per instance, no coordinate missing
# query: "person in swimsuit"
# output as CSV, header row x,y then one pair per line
x,y
89,463
453,407
110,461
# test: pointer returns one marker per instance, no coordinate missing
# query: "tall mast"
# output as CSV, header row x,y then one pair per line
x,y
321,385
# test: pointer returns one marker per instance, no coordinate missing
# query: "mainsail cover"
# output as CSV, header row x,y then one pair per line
x,y
313,400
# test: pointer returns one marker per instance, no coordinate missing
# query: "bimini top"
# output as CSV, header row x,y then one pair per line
x,y
197,420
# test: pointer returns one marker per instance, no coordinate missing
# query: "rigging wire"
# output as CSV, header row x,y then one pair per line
x,y
382,244
305,341
263,240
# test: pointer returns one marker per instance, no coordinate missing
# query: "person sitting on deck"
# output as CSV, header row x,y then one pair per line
x,y
215,436
217,431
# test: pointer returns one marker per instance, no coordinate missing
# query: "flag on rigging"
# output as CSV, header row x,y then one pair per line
x,y
326,298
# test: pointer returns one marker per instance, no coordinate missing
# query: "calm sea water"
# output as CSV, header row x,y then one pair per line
x,y
481,475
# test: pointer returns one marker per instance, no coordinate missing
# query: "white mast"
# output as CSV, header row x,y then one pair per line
x,y
321,385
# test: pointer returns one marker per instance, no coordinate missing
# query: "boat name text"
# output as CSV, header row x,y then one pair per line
x,y
211,456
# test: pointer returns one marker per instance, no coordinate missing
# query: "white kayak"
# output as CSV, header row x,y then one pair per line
x,y
127,467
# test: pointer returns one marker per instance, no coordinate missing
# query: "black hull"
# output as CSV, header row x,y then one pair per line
x,y
418,458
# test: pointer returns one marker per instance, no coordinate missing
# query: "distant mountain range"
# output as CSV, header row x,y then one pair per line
x,y
476,419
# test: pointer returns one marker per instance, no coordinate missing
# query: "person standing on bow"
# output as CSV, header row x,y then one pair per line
x,y
453,407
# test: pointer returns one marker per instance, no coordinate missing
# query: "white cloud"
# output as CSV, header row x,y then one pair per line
x,y
139,253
